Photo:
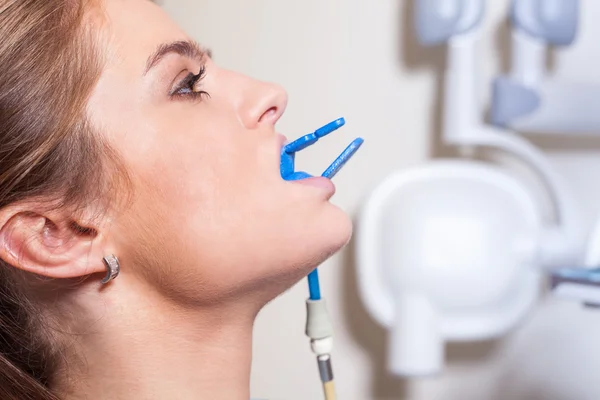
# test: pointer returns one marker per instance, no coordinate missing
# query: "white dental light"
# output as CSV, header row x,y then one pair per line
x,y
447,253
454,250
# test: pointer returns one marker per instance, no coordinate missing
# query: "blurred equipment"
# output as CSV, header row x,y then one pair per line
x,y
456,249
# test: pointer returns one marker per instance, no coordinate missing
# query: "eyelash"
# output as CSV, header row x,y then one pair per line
x,y
186,87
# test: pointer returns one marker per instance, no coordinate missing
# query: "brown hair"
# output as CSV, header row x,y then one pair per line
x,y
49,65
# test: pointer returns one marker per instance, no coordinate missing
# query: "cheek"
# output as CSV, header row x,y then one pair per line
x,y
215,194
220,248
217,215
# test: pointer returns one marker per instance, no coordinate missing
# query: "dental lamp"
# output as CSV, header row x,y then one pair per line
x,y
530,101
455,250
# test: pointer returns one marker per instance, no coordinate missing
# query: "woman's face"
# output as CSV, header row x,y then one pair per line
x,y
211,216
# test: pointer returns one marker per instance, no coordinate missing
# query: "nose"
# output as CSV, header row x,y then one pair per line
x,y
264,103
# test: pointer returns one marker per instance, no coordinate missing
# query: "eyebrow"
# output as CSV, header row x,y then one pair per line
x,y
185,48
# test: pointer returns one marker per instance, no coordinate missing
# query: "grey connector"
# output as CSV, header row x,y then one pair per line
x,y
318,324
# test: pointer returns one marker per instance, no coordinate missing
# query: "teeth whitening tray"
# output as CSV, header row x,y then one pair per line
x,y
456,249
318,326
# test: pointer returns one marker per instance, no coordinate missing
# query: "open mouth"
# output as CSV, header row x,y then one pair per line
x,y
289,150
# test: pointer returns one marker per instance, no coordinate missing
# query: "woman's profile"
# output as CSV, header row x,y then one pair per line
x,y
143,219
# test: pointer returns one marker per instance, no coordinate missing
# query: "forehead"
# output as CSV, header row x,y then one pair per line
x,y
130,33
135,28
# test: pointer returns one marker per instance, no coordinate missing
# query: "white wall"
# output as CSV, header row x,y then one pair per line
x,y
357,59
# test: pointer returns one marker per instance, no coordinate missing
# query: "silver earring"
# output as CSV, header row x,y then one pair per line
x,y
112,268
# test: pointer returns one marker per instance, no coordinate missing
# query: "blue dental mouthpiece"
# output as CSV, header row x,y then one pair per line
x,y
288,152
343,158
311,138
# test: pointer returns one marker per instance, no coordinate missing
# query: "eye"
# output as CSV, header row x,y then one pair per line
x,y
190,86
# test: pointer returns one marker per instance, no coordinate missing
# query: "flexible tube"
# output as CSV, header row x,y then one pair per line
x,y
313,285
329,390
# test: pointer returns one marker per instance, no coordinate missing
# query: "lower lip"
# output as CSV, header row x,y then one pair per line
x,y
318,182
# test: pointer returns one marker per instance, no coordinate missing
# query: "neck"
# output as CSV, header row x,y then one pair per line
x,y
149,350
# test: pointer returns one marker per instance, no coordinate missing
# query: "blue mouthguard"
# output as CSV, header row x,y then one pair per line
x,y
288,153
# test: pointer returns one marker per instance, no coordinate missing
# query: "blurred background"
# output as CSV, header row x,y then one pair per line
x,y
360,60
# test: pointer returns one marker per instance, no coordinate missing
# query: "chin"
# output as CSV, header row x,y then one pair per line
x,y
340,229
297,255
329,241
332,233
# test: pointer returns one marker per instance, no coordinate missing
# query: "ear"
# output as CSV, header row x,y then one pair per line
x,y
49,243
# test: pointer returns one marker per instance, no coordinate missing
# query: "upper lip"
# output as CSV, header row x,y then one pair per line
x,y
282,140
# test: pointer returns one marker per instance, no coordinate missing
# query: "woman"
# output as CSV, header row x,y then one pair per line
x,y
124,149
